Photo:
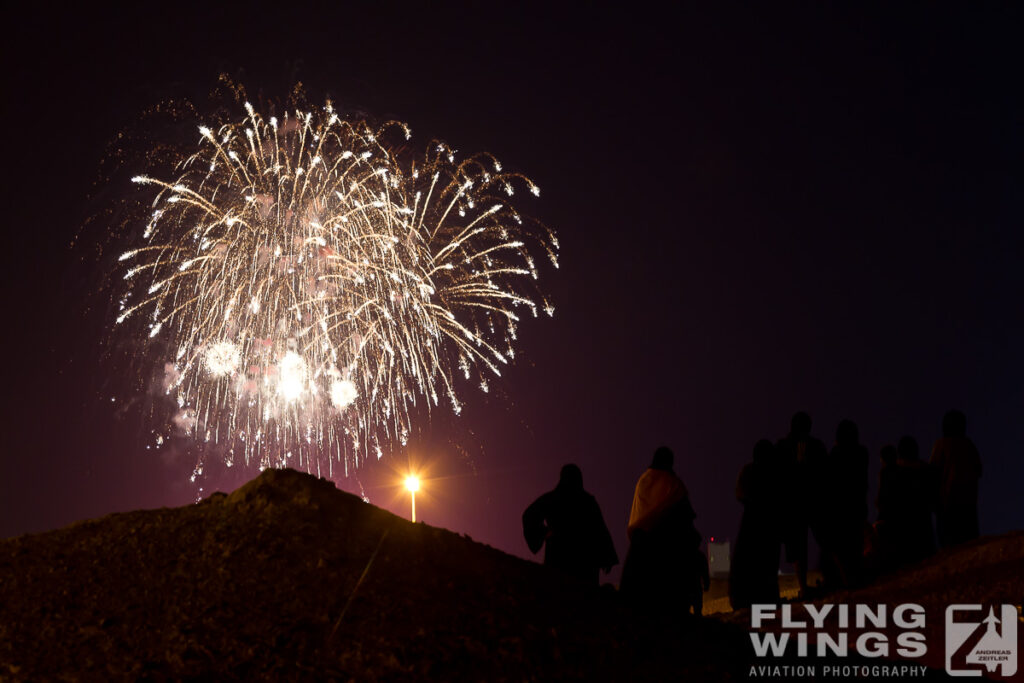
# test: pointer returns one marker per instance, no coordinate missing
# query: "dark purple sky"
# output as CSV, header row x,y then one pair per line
x,y
760,211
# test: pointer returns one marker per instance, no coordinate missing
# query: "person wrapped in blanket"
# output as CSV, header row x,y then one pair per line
x,y
661,571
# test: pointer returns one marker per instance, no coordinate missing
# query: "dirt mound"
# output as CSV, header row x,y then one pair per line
x,y
289,578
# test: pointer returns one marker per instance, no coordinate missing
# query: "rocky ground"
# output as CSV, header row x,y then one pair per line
x,y
288,578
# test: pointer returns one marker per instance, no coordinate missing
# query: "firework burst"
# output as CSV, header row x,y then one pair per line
x,y
310,292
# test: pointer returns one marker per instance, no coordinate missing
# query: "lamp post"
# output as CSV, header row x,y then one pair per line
x,y
412,483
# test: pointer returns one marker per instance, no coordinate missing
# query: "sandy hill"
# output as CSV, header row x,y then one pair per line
x,y
289,578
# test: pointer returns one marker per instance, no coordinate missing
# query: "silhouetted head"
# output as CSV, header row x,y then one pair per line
x,y
663,459
847,433
763,451
889,455
954,423
695,538
800,425
571,478
908,449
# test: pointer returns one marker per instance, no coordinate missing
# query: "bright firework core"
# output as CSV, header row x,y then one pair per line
x,y
343,393
292,376
313,290
223,358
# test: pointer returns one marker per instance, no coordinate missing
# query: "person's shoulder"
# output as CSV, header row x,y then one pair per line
x,y
953,447
545,497
675,480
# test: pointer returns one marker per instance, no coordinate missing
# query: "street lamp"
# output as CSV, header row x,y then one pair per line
x,y
412,483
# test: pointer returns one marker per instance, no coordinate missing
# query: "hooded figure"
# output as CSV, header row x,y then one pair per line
x,y
568,523
658,490
660,570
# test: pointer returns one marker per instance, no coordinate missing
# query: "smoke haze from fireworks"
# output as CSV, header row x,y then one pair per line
x,y
308,291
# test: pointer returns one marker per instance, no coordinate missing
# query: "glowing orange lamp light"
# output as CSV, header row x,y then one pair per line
x,y
412,483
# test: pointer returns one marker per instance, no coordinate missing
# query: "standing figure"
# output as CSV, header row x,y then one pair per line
x,y
958,466
917,493
754,578
568,522
659,568
844,509
801,458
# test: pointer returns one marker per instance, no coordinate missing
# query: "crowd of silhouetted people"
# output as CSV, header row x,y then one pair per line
x,y
798,488
792,489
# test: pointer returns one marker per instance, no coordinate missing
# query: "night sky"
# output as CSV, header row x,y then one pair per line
x,y
761,210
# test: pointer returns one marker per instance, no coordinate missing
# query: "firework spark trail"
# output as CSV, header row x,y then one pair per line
x,y
314,290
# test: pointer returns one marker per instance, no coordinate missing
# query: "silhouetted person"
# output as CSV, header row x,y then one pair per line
x,y
958,466
754,575
659,567
702,575
843,513
887,501
568,522
915,494
801,457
